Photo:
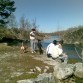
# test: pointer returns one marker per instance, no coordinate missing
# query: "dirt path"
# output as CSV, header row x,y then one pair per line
x,y
46,60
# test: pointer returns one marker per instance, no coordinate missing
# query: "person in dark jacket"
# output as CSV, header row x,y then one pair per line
x,y
39,45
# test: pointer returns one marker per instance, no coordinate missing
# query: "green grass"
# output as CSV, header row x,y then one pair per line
x,y
7,49
13,61
73,61
23,77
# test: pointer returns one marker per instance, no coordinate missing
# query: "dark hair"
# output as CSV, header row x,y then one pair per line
x,y
33,29
55,42
39,40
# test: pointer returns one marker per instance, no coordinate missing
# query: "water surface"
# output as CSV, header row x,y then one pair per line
x,y
69,49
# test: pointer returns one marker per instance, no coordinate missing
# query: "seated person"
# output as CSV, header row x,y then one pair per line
x,y
62,55
59,47
54,50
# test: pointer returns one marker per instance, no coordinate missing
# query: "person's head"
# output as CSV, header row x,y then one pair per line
x,y
55,42
61,42
39,40
33,30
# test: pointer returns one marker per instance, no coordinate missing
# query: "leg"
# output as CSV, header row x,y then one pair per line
x,y
40,50
32,45
49,56
64,58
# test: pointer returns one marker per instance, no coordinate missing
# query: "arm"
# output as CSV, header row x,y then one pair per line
x,y
60,46
32,34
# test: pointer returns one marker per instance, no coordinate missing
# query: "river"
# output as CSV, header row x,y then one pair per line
x,y
69,49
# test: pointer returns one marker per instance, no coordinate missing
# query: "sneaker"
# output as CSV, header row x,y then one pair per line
x,y
34,51
62,60
31,52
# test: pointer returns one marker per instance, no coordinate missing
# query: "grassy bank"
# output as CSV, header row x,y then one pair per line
x,y
15,65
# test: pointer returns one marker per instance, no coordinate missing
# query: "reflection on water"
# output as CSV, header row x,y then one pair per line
x,y
69,49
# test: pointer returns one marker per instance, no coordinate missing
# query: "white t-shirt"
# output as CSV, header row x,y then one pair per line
x,y
31,37
59,49
53,50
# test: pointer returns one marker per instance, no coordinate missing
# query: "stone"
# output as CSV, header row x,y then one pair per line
x,y
42,78
46,67
45,70
45,78
63,71
38,69
25,81
79,70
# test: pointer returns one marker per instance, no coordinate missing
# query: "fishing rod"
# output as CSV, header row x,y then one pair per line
x,y
78,53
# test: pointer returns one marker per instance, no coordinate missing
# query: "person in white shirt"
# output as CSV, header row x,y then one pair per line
x,y
32,40
54,50
62,56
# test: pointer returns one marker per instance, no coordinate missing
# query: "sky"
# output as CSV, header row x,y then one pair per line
x,y
51,15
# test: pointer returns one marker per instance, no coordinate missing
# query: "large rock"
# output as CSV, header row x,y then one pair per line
x,y
25,81
63,71
45,78
79,70
42,78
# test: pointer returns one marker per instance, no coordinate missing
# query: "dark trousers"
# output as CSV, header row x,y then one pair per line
x,y
40,51
49,56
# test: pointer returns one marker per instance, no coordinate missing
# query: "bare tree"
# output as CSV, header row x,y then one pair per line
x,y
25,28
34,24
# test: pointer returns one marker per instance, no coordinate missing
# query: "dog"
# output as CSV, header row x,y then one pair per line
x,y
23,48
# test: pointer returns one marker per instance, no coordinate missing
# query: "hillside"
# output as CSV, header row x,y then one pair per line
x,y
74,35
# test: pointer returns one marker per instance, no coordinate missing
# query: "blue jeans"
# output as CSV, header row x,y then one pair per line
x,y
64,57
32,45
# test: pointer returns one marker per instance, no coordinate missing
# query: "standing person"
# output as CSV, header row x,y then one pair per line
x,y
39,45
32,40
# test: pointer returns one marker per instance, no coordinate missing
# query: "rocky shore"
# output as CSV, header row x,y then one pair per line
x,y
17,67
61,71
